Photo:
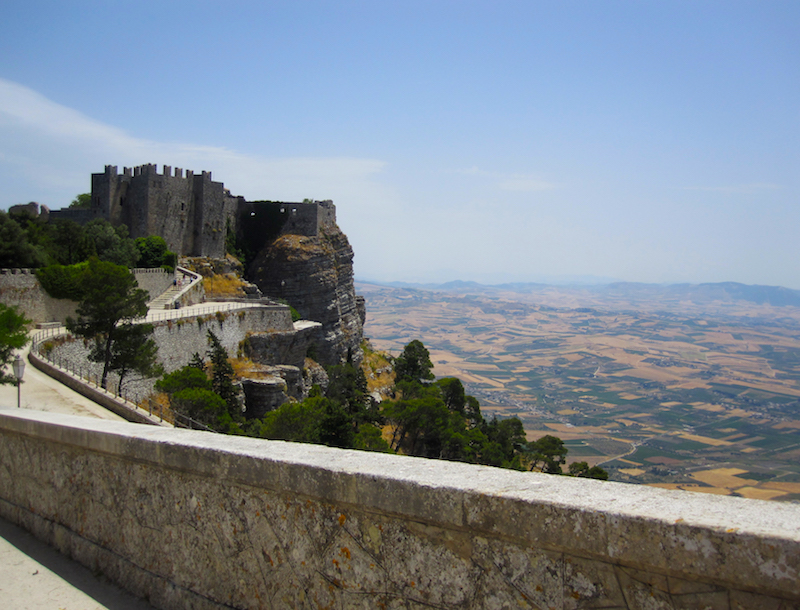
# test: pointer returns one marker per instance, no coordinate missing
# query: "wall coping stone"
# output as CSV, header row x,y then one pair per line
x,y
745,544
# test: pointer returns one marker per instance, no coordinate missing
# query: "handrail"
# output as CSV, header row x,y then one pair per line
x,y
176,314
196,279
81,372
84,374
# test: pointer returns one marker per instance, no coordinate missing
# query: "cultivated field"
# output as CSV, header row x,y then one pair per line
x,y
699,397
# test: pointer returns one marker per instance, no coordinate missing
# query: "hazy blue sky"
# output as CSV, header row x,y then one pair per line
x,y
491,141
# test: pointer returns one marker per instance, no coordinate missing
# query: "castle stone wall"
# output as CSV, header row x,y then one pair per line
x,y
20,288
202,520
178,340
188,210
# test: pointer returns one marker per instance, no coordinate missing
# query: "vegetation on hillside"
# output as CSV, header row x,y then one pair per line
x,y
204,391
418,414
424,417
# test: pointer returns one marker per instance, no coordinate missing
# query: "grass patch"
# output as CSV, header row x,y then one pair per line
x,y
221,286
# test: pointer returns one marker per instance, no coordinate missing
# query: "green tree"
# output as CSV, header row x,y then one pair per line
x,y
582,469
473,412
414,364
453,393
505,440
197,362
81,202
109,297
16,251
133,351
550,452
13,336
370,438
63,282
425,427
334,423
153,252
190,394
111,243
187,377
204,406
296,421
347,386
222,375
70,244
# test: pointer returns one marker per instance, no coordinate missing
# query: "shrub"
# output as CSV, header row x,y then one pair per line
x,y
62,282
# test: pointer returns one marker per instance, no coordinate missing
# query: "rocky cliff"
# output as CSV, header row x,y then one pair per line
x,y
314,274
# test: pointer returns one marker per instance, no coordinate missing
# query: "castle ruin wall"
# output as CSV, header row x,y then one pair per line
x,y
188,210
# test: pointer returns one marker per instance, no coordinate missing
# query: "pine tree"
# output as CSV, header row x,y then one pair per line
x,y
222,375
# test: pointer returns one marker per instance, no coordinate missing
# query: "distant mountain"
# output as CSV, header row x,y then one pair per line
x,y
703,293
698,293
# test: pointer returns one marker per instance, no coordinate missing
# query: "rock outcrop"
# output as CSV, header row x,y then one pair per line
x,y
314,274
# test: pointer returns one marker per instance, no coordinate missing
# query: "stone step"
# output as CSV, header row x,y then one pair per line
x,y
165,298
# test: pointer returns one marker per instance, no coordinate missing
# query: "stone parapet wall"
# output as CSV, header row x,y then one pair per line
x,y
196,291
194,519
179,339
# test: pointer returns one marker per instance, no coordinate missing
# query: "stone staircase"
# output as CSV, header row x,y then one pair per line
x,y
165,299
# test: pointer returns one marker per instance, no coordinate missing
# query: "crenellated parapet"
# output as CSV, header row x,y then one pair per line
x,y
192,212
188,210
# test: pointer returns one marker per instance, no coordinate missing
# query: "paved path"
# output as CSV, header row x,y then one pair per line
x,y
34,576
41,392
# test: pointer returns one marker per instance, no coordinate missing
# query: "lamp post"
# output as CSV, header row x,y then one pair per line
x,y
19,369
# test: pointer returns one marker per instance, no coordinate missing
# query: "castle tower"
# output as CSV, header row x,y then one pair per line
x,y
189,211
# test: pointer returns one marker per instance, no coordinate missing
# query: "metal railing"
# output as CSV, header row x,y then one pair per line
x,y
84,374
193,311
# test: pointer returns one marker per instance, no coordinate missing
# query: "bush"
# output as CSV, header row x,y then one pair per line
x,y
188,377
63,282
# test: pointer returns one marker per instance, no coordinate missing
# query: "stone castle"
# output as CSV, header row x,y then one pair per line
x,y
310,267
191,211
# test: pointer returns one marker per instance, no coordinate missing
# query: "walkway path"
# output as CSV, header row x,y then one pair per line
x,y
33,576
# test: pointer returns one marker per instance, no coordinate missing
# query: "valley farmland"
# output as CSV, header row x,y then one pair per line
x,y
701,395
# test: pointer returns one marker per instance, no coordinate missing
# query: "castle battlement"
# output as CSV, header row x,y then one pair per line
x,y
151,169
191,211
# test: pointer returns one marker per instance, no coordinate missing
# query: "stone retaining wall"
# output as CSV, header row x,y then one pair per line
x,y
198,520
21,288
180,338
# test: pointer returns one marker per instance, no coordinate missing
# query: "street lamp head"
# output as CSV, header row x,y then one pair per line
x,y
19,368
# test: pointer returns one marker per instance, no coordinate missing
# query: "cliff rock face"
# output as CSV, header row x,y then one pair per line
x,y
314,274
